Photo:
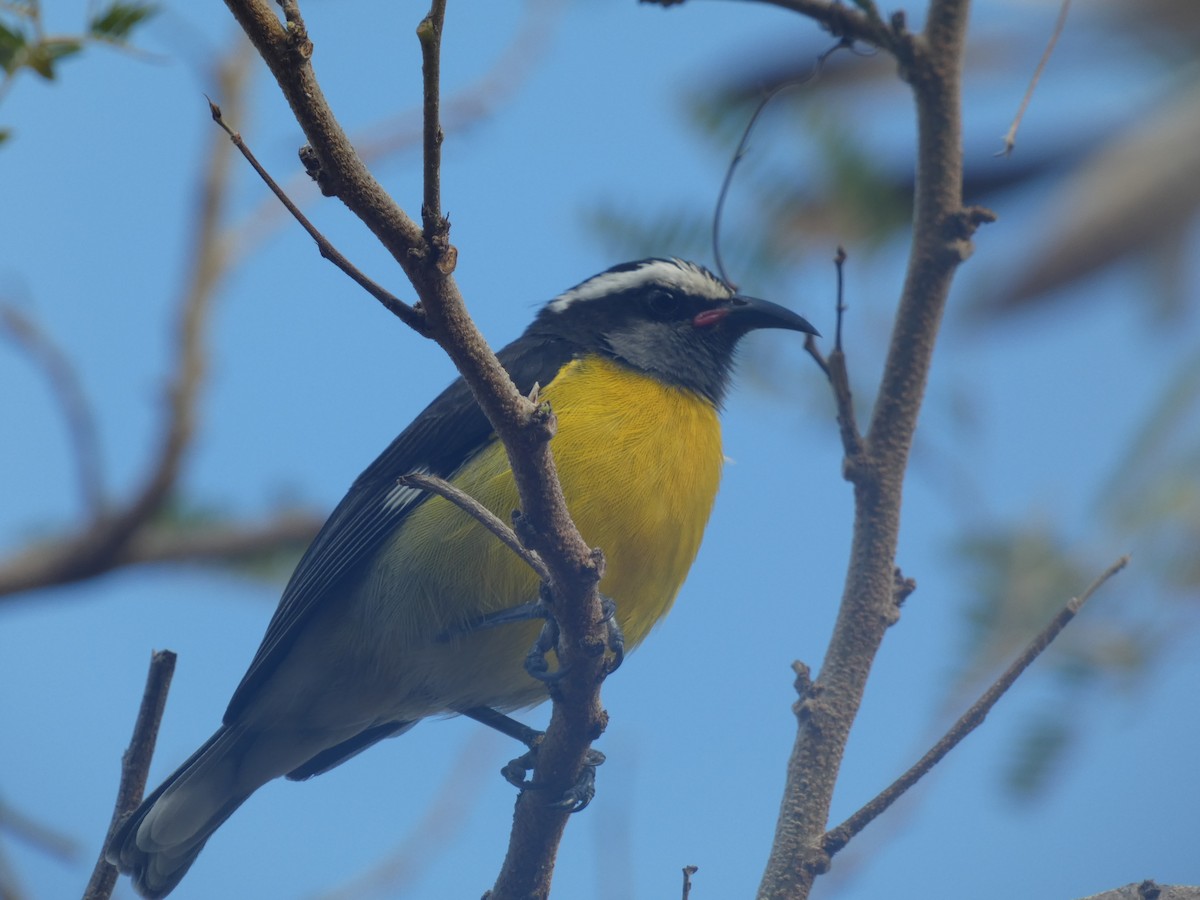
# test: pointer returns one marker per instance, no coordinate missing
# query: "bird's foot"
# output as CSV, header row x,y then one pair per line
x,y
538,666
575,798
536,662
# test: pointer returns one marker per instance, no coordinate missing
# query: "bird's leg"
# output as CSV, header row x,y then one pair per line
x,y
535,660
574,798
614,638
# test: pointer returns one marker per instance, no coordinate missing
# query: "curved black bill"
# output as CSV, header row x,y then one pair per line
x,y
750,313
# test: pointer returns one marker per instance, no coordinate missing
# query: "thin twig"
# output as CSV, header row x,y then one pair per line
x,y
839,380
135,764
429,34
839,264
461,111
287,51
1010,137
838,837
479,513
411,317
688,872
67,388
835,370
740,151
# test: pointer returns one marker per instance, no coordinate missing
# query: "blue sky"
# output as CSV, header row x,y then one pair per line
x,y
310,379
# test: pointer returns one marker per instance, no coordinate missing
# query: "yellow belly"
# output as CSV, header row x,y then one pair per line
x,y
639,463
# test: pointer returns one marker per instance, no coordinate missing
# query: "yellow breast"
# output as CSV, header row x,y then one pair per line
x,y
639,463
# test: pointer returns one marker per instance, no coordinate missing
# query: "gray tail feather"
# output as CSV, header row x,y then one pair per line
x,y
199,796
156,870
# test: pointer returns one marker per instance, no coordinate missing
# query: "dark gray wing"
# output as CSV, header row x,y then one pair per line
x,y
448,433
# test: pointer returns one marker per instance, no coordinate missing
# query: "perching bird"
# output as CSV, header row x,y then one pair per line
x,y
378,627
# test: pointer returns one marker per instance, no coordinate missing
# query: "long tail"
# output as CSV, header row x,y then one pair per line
x,y
160,841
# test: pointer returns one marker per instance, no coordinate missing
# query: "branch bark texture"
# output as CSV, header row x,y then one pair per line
x,y
427,257
932,63
135,765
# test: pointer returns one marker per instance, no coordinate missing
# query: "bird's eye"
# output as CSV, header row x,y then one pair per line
x,y
663,304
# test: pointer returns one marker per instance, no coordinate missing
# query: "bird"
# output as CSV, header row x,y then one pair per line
x,y
379,625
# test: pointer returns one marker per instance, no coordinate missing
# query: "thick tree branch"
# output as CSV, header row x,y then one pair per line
x,y
428,258
932,63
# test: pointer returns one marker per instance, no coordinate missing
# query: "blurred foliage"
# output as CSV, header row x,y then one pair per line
x,y
1117,184
26,46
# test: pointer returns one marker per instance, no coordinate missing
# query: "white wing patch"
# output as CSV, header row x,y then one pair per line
x,y
676,274
401,496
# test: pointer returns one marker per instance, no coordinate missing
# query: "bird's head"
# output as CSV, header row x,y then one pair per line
x,y
670,318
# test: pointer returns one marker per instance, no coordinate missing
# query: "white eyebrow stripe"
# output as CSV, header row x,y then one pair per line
x,y
670,273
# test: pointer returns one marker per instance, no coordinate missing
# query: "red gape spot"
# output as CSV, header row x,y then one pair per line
x,y
710,316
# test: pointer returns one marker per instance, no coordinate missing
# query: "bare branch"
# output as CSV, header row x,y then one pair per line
x,y
835,370
479,513
932,63
688,872
1149,890
287,52
464,109
838,837
525,429
135,765
411,317
429,33
1010,137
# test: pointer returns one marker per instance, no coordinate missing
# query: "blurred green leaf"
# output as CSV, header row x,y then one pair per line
x,y
41,57
1040,748
12,45
117,22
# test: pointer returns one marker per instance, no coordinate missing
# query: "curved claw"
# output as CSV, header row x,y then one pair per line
x,y
536,663
614,638
575,798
